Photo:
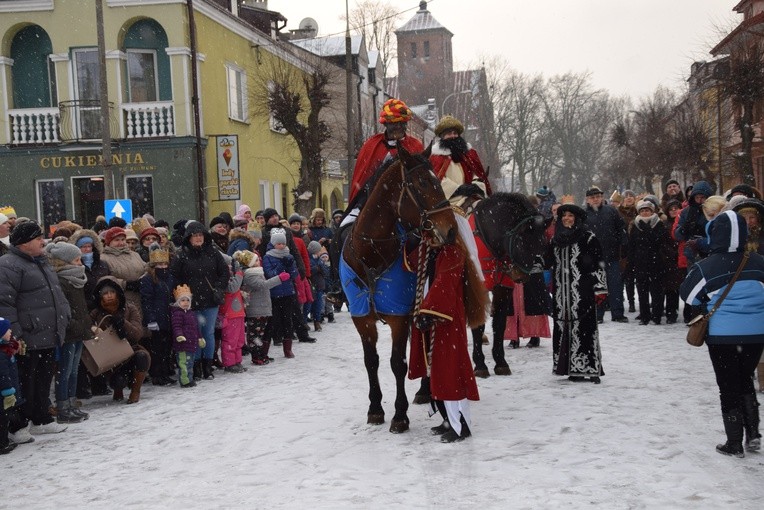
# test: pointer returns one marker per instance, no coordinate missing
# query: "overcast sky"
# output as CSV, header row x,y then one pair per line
x,y
629,46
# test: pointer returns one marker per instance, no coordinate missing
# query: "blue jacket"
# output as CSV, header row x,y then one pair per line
x,y
155,300
9,375
275,262
740,318
607,224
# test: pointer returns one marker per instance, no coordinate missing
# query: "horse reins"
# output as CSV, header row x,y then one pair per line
x,y
406,190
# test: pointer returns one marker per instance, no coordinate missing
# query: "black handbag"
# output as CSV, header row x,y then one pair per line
x,y
217,294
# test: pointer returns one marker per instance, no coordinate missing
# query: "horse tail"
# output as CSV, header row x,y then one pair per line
x,y
476,302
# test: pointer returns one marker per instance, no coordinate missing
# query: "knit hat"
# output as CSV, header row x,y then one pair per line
x,y
448,123
112,233
151,231
314,247
594,190
671,181
243,208
394,110
246,258
63,251
295,218
277,238
162,231
542,192
130,234
180,291
240,222
217,220
338,212
116,221
5,325
673,203
645,204
158,255
654,200
268,213
628,193
258,213
22,233
3,218
616,197
82,241
9,211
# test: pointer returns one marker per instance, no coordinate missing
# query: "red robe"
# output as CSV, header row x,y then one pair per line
x,y
451,374
372,154
471,166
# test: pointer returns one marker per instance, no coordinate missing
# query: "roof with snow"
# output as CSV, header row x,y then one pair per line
x,y
329,46
422,20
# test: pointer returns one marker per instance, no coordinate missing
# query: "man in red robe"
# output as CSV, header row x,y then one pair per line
x,y
394,116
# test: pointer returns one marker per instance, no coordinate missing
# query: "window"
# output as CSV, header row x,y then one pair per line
x,y
413,50
265,195
142,76
52,85
276,186
237,93
140,190
88,114
51,202
87,198
427,49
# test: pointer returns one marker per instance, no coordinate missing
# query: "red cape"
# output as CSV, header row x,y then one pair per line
x,y
372,154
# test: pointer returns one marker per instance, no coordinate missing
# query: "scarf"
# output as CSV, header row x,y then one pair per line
x,y
278,253
650,221
74,275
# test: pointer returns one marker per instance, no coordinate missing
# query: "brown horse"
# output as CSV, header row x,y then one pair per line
x,y
406,200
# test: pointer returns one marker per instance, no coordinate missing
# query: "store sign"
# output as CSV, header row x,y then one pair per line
x,y
133,161
229,184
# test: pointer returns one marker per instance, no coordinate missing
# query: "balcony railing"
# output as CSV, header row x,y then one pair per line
x,y
34,126
81,120
149,120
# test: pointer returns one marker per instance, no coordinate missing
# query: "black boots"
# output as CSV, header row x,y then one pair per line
x,y
751,422
534,342
733,427
207,369
197,370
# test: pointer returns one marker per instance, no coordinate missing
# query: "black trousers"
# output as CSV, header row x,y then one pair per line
x,y
650,293
36,370
734,365
672,304
160,348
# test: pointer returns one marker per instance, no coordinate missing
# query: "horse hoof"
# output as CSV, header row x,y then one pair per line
x,y
482,373
421,399
375,419
502,370
399,426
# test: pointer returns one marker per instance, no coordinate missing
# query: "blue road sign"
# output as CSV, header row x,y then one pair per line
x,y
119,208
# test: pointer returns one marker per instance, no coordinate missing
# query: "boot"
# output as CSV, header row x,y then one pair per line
x,y
534,342
135,390
197,370
266,348
118,394
316,326
207,369
76,410
760,373
288,348
751,422
64,413
330,317
733,427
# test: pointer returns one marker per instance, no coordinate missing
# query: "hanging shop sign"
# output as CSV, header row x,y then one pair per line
x,y
229,184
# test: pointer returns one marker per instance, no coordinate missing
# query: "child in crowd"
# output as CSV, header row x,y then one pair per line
x,y
9,382
185,331
278,260
232,318
258,304
648,242
318,275
328,305
156,295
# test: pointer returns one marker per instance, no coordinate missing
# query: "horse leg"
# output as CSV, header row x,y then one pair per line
x,y
399,329
481,370
502,309
422,395
367,328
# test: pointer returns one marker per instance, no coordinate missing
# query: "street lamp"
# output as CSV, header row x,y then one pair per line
x,y
443,104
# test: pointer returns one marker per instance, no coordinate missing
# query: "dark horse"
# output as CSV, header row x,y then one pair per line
x,y
513,231
406,200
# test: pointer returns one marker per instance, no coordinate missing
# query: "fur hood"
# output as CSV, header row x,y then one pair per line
x,y
85,232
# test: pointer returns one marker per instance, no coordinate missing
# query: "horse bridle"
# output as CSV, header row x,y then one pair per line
x,y
506,264
408,189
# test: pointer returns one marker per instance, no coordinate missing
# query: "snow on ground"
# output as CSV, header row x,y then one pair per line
x,y
294,435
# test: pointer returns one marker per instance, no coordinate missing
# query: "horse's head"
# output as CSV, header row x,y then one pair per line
x,y
513,230
422,203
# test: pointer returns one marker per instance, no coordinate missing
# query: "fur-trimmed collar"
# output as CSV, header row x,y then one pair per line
x,y
437,150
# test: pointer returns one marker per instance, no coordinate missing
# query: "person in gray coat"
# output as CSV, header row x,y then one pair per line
x,y
32,299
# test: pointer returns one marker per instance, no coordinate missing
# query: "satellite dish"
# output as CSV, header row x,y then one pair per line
x,y
309,27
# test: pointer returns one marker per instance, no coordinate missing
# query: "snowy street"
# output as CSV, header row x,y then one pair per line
x,y
294,435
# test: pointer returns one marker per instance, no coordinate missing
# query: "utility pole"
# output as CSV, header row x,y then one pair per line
x,y
109,186
349,94
202,200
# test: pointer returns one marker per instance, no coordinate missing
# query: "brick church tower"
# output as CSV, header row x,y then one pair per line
x,y
425,60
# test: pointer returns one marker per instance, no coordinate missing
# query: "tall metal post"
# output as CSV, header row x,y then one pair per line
x,y
109,186
349,94
202,201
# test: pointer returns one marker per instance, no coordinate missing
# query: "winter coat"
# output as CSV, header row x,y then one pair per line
x,y
127,266
98,269
690,225
220,240
674,276
265,245
319,272
451,373
274,263
202,269
32,299
233,307
608,226
740,318
79,327
238,240
132,329
648,240
156,297
578,275
9,370
259,300
304,256
318,233
184,324
628,214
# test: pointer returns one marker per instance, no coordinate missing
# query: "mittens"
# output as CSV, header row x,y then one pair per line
x,y
180,339
202,343
9,401
423,322
22,348
600,298
284,276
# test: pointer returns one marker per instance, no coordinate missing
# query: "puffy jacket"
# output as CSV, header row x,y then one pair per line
x,y
202,268
32,300
184,324
276,262
259,300
156,297
740,318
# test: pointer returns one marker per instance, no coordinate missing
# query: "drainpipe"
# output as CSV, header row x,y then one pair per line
x,y
197,121
358,101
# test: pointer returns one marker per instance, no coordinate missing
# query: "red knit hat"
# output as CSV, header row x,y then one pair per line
x,y
148,231
112,233
394,110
